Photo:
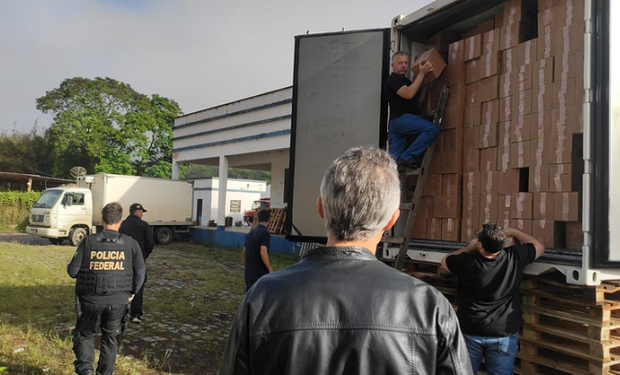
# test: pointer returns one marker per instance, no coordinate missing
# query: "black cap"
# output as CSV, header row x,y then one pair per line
x,y
136,206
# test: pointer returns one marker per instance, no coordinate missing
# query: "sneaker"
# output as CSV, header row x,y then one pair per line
x,y
136,319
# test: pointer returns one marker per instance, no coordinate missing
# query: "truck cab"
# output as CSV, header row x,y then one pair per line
x,y
261,204
62,213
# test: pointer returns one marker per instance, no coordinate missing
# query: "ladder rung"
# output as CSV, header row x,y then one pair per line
x,y
393,240
411,172
406,206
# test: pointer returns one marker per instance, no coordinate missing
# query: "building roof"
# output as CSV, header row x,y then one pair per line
x,y
22,177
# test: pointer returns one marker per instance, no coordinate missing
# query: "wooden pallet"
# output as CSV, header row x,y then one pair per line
x,y
277,220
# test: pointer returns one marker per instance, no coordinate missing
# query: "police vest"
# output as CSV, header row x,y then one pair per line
x,y
106,267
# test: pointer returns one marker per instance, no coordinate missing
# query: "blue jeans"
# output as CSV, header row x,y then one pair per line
x,y
401,129
499,353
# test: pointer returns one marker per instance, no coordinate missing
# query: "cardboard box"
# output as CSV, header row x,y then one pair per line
x,y
453,117
471,184
541,152
567,120
521,127
455,52
473,47
504,130
522,206
543,72
488,206
509,60
451,139
469,226
489,89
545,46
473,113
568,13
539,178
471,205
561,149
541,124
433,185
451,185
489,183
528,52
504,206
522,103
471,160
566,206
508,182
486,26
547,232
446,162
420,229
503,159
450,229
489,64
434,57
434,229
543,98
472,71
561,177
470,138
548,4
505,108
490,41
569,38
441,41
473,93
520,154
546,22
574,235
447,207
508,84
513,34
487,136
488,159
458,94
543,206
453,74
490,112
426,208
568,65
524,77
519,10
523,225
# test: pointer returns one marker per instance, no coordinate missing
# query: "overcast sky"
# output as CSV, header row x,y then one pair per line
x,y
199,53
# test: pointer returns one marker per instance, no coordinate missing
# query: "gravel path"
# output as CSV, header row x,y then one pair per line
x,y
23,238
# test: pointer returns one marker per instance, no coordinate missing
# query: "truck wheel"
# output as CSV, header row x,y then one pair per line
x,y
164,235
77,235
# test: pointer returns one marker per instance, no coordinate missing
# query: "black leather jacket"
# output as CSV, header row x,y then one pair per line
x,y
341,311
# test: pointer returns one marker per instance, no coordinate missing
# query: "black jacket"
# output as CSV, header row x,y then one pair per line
x,y
341,311
140,231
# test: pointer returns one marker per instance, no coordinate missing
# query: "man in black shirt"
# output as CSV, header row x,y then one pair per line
x,y
140,231
109,269
489,294
255,254
404,113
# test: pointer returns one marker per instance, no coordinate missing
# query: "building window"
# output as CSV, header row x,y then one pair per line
x,y
235,206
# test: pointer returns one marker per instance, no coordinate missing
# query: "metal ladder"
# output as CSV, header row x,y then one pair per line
x,y
412,207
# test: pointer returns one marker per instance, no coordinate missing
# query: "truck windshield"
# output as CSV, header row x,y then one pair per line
x,y
48,199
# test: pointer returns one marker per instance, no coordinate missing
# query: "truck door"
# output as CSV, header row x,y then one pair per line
x,y
72,208
338,103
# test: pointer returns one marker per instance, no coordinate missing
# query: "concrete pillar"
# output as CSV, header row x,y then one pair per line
x,y
221,190
278,166
175,169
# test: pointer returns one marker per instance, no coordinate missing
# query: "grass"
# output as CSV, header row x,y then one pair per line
x,y
191,296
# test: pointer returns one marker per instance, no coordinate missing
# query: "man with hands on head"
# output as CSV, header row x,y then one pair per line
x,y
489,293
405,99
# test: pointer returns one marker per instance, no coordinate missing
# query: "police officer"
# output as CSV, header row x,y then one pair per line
x,y
140,231
110,270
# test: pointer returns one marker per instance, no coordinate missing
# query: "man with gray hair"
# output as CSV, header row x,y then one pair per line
x,y
339,310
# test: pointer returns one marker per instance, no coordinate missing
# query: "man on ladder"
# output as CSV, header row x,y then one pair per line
x,y
405,122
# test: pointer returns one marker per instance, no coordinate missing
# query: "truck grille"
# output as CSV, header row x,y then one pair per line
x,y
38,218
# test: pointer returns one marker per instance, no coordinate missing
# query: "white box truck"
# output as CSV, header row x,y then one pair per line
x,y
338,102
73,212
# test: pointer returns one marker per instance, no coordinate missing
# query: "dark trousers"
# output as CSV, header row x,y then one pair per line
x,y
249,283
108,318
136,302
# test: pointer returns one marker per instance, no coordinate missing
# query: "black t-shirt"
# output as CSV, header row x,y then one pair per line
x,y
254,266
399,105
489,290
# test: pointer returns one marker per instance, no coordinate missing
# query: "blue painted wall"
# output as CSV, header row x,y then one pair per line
x,y
221,237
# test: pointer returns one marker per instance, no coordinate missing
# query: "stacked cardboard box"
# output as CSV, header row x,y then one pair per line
x,y
515,118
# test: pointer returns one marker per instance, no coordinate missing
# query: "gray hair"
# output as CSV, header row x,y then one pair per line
x,y
360,191
399,53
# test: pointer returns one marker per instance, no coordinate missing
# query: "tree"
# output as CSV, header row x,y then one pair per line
x,y
198,171
26,152
106,126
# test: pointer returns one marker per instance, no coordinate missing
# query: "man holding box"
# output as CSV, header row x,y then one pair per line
x,y
405,121
489,294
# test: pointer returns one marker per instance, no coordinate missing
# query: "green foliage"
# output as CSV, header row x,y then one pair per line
x,y
197,171
106,126
12,197
26,152
15,207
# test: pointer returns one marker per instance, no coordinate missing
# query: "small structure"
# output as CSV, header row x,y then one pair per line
x,y
240,194
29,182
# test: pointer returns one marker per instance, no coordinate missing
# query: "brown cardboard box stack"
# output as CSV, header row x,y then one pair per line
x,y
510,148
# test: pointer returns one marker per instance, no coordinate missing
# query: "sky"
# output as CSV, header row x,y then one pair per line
x,y
199,53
